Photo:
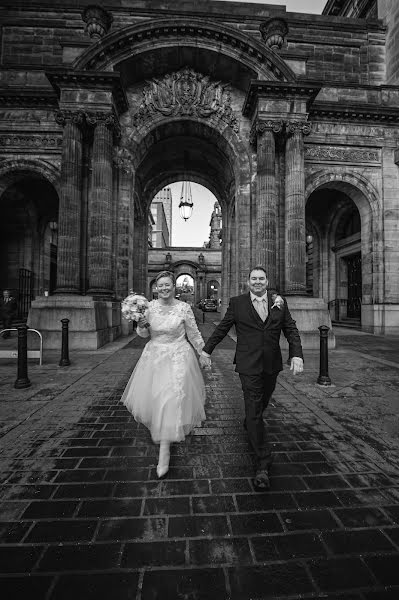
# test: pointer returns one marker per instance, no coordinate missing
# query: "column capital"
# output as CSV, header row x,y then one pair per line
x,y
62,117
303,127
109,119
259,127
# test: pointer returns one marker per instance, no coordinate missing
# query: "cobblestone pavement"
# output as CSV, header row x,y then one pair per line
x,y
83,515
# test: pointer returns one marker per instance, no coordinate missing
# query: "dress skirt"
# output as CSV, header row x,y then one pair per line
x,y
166,390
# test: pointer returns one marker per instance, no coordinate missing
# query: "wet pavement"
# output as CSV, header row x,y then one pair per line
x,y
83,515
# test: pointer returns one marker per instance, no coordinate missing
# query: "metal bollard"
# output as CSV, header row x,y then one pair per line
x,y
64,362
323,378
203,316
22,380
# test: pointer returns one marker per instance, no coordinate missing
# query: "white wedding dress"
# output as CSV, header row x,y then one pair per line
x,y
166,390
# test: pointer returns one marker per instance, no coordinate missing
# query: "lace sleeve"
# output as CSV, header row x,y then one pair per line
x,y
192,330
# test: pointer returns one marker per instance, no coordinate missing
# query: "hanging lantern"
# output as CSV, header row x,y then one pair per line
x,y
186,201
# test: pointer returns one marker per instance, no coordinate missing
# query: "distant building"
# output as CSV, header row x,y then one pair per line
x,y
161,209
216,227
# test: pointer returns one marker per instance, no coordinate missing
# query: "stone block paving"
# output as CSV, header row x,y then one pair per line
x,y
84,516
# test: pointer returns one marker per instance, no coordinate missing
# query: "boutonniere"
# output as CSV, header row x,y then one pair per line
x,y
278,302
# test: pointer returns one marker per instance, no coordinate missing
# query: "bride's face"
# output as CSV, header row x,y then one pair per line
x,y
165,288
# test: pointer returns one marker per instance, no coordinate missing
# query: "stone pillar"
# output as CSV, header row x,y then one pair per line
x,y
100,207
266,198
139,256
125,223
69,217
295,234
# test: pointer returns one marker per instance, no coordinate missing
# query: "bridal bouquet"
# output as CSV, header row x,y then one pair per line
x,y
278,302
134,306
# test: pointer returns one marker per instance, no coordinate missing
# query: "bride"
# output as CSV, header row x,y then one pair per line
x,y
166,390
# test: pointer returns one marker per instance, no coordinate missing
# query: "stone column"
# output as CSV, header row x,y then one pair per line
x,y
125,223
139,284
69,215
100,207
295,234
266,198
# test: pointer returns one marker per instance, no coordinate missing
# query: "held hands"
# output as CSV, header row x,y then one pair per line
x,y
205,362
296,365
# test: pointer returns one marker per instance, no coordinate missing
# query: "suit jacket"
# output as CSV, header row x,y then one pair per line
x,y
258,343
8,309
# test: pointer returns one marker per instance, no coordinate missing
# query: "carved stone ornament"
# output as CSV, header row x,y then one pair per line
x,y
259,127
273,32
337,153
123,160
96,118
110,120
31,141
186,93
98,21
64,116
303,127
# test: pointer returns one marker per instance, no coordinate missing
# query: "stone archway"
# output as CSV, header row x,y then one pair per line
x,y
189,148
225,41
28,229
208,101
335,195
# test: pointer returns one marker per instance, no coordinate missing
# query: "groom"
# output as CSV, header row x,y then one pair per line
x,y
259,317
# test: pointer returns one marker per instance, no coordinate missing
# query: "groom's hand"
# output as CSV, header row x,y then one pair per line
x,y
296,365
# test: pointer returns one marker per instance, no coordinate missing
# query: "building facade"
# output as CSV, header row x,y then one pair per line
x,y
161,208
291,121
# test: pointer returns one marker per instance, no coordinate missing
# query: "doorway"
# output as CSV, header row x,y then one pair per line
x,y
354,270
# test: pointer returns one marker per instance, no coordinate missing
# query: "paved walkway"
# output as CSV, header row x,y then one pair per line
x,y
83,515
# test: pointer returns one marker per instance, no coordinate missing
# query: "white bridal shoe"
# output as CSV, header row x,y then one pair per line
x,y
163,460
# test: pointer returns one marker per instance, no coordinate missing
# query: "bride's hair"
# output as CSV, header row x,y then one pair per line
x,y
166,274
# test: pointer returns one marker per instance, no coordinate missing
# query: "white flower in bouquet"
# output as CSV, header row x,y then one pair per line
x,y
278,301
133,307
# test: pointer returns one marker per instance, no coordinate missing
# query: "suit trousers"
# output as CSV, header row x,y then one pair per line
x,y
258,390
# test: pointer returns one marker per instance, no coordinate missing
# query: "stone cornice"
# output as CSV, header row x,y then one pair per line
x,y
276,89
60,78
354,112
28,98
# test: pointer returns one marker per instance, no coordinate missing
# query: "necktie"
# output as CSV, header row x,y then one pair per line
x,y
260,306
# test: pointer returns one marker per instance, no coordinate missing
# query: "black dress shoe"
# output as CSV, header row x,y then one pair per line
x,y
261,480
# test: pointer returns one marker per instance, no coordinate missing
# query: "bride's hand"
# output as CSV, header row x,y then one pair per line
x,y
142,322
205,362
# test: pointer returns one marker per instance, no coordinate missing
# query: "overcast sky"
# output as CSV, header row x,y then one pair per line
x,y
307,6
195,231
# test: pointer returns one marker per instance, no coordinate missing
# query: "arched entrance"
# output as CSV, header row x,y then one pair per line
x,y
341,215
28,235
185,82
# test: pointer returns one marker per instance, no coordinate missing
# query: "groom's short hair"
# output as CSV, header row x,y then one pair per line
x,y
257,268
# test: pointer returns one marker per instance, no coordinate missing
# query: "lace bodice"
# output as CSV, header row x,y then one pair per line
x,y
171,324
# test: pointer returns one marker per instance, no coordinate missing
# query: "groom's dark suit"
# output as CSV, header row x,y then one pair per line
x,y
258,359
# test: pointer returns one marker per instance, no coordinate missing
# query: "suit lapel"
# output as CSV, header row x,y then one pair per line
x,y
269,309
